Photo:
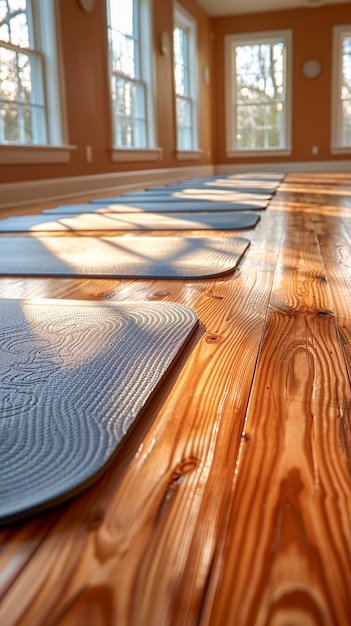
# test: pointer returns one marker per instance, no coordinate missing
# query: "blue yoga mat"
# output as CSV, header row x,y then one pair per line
x,y
230,220
136,256
183,206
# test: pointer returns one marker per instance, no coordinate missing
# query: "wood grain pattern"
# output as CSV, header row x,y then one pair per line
x,y
231,504
289,535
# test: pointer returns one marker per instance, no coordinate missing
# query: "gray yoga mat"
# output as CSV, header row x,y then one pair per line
x,y
121,257
275,176
130,221
245,186
208,194
74,379
181,206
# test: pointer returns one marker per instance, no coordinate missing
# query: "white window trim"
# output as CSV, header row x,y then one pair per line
x,y
336,140
183,19
268,36
151,152
57,150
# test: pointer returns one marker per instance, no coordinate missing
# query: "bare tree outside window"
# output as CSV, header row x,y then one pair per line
x,y
22,103
185,77
128,89
260,96
346,91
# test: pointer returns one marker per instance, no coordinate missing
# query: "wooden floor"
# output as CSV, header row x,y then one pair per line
x,y
231,503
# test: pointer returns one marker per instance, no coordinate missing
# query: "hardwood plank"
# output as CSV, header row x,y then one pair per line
x,y
285,558
334,238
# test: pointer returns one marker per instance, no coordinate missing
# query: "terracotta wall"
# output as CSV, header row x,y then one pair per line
x,y
84,48
312,38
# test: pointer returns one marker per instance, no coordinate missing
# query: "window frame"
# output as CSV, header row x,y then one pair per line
x,y
45,21
148,152
337,145
230,98
185,21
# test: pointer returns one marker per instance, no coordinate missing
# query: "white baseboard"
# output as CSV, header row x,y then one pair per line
x,y
50,190
303,166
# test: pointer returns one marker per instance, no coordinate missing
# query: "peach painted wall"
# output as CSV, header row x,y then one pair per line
x,y
84,53
311,104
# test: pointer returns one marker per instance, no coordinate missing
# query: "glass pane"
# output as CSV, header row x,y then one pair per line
x,y
130,114
346,123
123,54
139,133
184,124
124,133
183,112
124,37
259,126
10,122
14,22
259,72
21,84
130,98
27,124
345,91
184,139
130,133
346,65
121,14
181,62
24,78
8,74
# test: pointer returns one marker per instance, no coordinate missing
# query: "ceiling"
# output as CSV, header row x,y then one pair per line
x,y
232,7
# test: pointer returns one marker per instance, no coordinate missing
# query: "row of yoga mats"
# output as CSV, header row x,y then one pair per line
x,y
76,376
201,204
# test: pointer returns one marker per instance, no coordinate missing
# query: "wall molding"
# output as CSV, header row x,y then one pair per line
x,y
40,191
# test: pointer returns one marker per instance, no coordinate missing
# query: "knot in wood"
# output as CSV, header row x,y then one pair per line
x,y
158,295
212,338
184,467
95,519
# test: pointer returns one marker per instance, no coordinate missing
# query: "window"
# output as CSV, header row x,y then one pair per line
x,y
30,108
258,114
185,79
341,91
129,35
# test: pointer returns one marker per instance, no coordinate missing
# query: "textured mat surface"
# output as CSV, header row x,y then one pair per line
x,y
245,203
244,185
135,221
213,194
74,376
121,257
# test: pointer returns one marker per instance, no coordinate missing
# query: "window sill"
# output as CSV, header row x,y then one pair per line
x,y
259,153
136,154
18,154
183,155
340,149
